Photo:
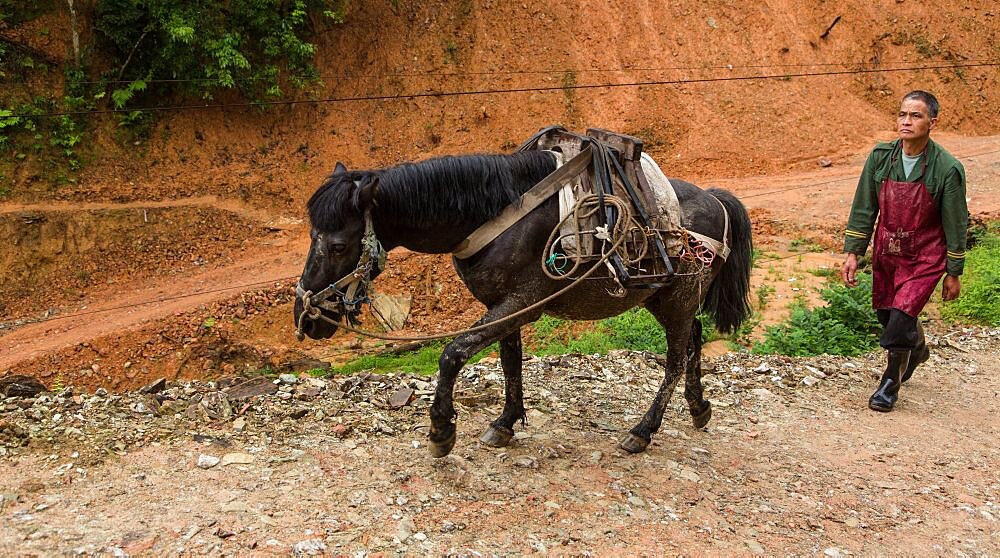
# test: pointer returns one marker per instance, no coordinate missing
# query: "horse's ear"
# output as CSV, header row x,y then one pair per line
x,y
366,194
340,168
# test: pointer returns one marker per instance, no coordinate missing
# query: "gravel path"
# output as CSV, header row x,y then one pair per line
x,y
792,462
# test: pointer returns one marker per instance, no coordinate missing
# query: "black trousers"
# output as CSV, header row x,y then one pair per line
x,y
900,331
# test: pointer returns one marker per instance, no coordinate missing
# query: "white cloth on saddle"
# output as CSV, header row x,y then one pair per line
x,y
667,218
670,207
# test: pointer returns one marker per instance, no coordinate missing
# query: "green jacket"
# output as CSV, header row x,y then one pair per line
x,y
945,181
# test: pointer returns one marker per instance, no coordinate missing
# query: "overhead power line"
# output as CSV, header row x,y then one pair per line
x,y
438,74
509,90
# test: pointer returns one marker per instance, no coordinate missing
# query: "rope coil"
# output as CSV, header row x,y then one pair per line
x,y
586,207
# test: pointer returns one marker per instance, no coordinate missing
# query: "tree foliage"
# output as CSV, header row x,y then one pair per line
x,y
199,47
146,53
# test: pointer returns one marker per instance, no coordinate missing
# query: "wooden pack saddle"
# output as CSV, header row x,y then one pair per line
x,y
607,170
618,167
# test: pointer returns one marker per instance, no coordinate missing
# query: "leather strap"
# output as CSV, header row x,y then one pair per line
x,y
721,249
531,199
661,250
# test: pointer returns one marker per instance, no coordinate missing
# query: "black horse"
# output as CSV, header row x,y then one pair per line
x,y
432,206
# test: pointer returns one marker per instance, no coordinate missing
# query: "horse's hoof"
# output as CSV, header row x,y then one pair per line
x,y
497,436
633,444
442,448
702,418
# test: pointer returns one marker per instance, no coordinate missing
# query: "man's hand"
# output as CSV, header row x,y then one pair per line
x,y
951,288
849,270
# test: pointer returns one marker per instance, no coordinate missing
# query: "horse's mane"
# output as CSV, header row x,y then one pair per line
x,y
443,190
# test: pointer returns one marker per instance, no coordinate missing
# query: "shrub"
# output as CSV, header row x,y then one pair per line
x,y
7,120
846,325
980,299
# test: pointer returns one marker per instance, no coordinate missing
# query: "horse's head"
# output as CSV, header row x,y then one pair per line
x,y
343,255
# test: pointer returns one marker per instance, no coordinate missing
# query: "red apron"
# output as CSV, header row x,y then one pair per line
x,y
909,254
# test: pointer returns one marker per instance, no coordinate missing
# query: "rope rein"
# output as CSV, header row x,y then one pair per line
x,y
314,313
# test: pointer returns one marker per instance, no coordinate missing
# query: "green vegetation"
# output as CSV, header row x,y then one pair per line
x,y
635,329
828,273
7,120
764,293
804,245
141,51
53,142
845,326
423,361
980,300
205,46
450,52
318,372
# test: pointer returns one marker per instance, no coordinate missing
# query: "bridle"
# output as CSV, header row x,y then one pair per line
x,y
348,293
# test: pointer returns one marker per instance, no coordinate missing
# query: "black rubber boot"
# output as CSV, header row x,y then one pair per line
x,y
917,357
888,389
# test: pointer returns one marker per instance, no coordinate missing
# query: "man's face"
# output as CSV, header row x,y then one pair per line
x,y
913,122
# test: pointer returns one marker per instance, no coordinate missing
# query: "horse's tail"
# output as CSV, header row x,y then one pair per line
x,y
728,298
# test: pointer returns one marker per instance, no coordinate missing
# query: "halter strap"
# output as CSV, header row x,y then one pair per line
x,y
371,249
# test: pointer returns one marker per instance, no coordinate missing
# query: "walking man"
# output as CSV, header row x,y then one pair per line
x,y
917,191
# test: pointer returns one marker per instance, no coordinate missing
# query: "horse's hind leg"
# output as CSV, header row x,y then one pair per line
x,y
500,431
675,315
701,410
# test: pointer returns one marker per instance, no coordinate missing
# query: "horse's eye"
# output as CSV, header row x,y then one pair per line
x,y
338,248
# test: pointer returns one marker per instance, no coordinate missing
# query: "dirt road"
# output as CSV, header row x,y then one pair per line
x,y
788,207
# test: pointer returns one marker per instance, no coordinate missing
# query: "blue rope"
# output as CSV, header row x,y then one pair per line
x,y
551,262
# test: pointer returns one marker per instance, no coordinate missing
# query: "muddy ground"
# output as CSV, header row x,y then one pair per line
x,y
792,463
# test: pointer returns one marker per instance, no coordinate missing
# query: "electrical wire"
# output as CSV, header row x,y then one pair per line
x,y
499,91
529,72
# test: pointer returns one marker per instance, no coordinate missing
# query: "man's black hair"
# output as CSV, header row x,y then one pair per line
x,y
930,100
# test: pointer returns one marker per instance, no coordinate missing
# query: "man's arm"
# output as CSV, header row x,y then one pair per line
x,y
860,223
955,219
864,209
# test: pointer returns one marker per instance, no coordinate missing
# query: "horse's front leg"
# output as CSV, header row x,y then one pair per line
x,y
453,358
676,322
500,431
